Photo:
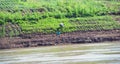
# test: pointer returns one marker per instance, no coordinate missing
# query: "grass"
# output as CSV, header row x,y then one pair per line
x,y
50,25
45,15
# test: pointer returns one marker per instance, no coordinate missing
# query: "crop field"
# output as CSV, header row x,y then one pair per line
x,y
44,16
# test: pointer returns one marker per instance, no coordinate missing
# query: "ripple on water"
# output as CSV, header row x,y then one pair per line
x,y
103,54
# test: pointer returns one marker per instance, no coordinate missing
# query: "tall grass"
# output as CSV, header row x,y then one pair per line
x,y
2,29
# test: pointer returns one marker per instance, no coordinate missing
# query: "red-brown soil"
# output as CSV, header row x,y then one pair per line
x,y
37,39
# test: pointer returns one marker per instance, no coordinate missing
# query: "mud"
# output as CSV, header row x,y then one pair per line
x,y
37,39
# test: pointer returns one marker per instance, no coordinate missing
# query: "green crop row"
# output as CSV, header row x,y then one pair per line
x,y
40,9
49,25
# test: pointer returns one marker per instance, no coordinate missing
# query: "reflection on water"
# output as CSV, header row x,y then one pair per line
x,y
95,53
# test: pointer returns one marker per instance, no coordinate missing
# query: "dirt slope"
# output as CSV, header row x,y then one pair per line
x,y
36,39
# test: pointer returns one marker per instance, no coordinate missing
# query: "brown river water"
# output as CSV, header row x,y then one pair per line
x,y
90,53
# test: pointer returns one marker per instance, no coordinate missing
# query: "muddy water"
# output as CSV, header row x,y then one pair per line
x,y
95,53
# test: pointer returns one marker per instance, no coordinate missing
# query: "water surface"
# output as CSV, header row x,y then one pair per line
x,y
92,53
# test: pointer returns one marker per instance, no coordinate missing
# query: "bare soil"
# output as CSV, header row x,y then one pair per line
x,y
37,39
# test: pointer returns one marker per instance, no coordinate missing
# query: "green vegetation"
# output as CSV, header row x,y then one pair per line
x,y
45,15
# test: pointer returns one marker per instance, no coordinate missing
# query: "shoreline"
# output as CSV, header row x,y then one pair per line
x,y
36,39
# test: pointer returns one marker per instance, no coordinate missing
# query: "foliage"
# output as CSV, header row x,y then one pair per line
x,y
45,15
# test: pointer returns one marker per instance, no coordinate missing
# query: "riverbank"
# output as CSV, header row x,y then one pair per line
x,y
32,23
36,39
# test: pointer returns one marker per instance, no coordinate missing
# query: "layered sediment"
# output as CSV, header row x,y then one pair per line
x,y
37,39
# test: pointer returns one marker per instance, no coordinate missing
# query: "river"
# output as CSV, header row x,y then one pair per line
x,y
90,53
